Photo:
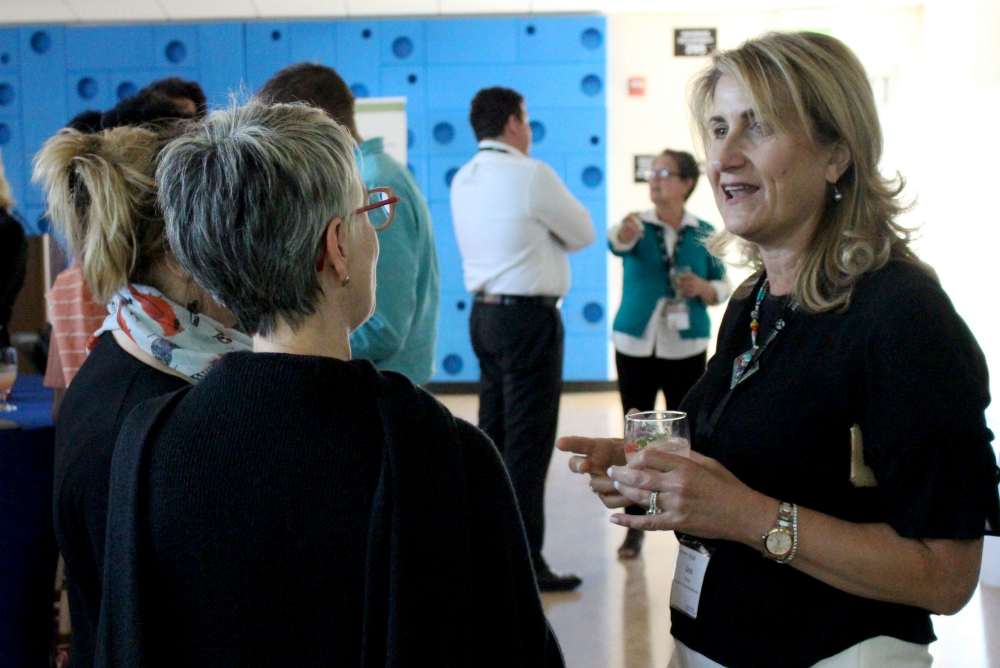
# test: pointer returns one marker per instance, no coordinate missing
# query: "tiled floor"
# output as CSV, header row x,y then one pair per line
x,y
620,617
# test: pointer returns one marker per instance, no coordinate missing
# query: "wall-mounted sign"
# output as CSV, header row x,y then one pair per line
x,y
694,41
643,165
637,86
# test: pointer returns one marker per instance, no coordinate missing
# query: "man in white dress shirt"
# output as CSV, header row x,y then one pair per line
x,y
516,223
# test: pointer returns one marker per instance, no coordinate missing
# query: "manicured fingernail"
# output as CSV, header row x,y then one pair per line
x,y
616,484
609,470
614,520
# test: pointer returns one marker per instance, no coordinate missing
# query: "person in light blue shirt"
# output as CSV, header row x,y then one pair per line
x,y
402,333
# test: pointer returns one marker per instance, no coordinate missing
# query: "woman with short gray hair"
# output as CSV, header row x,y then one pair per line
x,y
330,504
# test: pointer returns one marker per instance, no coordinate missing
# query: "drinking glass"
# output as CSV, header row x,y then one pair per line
x,y
667,431
8,374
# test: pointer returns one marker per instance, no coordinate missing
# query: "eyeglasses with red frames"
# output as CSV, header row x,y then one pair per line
x,y
381,207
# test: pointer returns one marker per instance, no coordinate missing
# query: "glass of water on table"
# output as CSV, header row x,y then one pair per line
x,y
666,431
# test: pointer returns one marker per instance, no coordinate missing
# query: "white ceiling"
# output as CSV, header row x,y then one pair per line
x,y
111,11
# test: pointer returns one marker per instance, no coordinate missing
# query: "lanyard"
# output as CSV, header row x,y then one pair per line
x,y
669,261
748,363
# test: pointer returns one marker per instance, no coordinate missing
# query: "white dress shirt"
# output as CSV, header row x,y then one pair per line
x,y
659,339
515,223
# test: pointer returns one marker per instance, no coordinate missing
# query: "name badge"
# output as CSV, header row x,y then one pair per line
x,y
678,315
689,573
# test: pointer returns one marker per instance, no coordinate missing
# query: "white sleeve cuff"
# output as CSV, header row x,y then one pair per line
x,y
617,245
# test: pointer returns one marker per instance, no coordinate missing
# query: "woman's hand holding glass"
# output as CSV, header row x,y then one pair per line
x,y
696,495
690,285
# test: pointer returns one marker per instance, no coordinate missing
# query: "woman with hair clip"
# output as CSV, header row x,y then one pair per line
x,y
163,332
841,477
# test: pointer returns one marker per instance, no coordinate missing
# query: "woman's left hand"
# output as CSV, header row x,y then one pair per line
x,y
692,285
697,496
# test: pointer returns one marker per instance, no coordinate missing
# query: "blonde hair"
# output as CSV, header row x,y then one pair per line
x,y
6,198
102,198
817,81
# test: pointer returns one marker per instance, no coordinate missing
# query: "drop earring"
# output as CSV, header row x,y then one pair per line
x,y
837,195
347,279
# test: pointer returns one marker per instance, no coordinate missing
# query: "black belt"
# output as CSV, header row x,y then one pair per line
x,y
514,300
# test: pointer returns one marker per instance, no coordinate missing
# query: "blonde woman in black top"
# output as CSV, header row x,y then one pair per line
x,y
808,559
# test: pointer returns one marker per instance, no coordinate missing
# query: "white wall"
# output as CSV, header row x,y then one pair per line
x,y
887,41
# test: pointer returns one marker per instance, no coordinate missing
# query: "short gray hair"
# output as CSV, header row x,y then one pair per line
x,y
247,196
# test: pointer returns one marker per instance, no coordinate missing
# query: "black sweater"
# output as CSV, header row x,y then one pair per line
x,y
298,510
900,363
109,385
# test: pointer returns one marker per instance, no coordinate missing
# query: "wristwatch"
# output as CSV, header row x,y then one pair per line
x,y
781,541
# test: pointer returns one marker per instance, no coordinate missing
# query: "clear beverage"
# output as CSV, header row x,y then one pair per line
x,y
666,431
8,374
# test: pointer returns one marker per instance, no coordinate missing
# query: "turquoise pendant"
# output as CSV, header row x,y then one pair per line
x,y
742,369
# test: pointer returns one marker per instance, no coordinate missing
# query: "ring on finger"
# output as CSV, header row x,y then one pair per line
x,y
653,508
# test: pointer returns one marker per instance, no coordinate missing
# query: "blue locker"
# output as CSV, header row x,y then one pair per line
x,y
585,175
9,50
417,135
358,57
560,85
585,311
407,81
568,129
449,133
314,42
176,46
88,89
43,95
460,41
586,357
403,43
455,360
449,258
454,86
561,39
126,83
12,154
10,95
268,49
110,47
441,170
589,267
223,58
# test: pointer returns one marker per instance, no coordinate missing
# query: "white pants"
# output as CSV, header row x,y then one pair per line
x,y
880,652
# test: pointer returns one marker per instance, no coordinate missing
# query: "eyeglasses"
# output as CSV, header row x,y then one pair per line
x,y
651,174
381,207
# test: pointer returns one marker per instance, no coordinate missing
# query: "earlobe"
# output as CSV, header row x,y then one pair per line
x,y
336,253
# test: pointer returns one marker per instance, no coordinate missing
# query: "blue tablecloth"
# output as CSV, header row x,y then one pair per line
x,y
28,550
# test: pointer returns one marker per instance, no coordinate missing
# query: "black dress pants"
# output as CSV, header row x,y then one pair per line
x,y
520,351
640,378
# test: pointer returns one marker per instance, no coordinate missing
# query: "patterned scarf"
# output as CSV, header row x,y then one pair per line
x,y
187,342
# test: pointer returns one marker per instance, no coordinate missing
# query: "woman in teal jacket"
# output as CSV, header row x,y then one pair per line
x,y
662,327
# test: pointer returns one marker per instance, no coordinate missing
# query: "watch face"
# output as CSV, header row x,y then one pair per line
x,y
779,542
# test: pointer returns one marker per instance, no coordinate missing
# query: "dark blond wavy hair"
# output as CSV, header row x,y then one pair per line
x,y
102,198
816,82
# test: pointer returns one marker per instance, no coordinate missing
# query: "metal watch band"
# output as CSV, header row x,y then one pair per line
x,y
787,522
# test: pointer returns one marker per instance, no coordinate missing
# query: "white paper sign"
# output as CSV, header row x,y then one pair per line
x,y
383,117
689,573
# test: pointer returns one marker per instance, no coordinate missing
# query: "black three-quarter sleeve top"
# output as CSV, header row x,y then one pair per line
x,y
903,365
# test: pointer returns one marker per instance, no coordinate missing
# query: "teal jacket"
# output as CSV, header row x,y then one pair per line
x,y
402,333
646,280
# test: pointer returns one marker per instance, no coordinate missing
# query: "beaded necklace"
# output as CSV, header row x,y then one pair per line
x,y
748,363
